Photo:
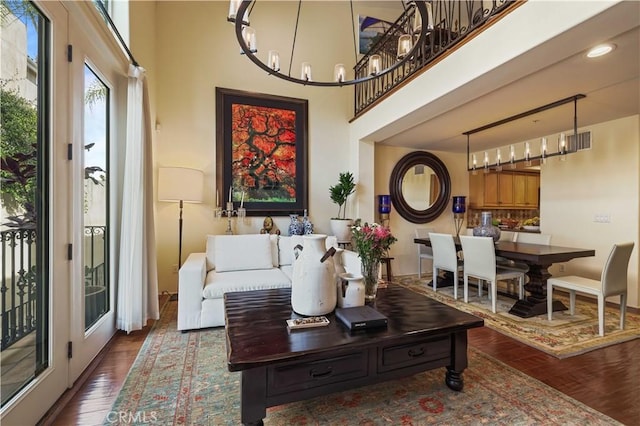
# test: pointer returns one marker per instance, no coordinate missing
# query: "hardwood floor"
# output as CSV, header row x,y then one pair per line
x,y
607,380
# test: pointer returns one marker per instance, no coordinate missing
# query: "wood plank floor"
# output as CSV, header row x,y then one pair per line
x,y
607,380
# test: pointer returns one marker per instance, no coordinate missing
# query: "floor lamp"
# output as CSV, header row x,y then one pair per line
x,y
179,184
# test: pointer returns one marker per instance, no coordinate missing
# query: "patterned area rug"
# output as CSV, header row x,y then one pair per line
x,y
182,379
563,337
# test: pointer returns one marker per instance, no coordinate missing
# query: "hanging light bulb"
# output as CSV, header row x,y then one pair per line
x,y
249,36
417,20
498,160
233,9
562,146
274,60
405,43
543,149
512,156
306,71
339,73
486,162
375,64
527,153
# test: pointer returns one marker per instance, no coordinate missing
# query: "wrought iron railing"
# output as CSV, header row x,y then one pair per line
x,y
453,21
18,287
18,290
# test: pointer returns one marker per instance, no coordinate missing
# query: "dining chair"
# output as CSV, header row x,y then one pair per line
x,y
445,258
613,282
480,263
424,251
532,238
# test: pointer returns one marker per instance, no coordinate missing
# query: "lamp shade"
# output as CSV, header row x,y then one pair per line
x,y
180,184
459,204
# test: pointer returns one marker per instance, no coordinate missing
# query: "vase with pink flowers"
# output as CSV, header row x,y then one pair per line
x,y
372,242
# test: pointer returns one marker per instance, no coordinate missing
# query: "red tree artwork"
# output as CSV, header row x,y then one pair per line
x,y
263,144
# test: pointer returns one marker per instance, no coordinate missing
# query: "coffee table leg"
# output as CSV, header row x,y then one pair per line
x,y
453,377
253,393
454,380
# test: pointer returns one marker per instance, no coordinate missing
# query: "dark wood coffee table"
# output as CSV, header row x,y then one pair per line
x,y
280,366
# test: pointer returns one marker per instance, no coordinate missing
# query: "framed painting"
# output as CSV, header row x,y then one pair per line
x,y
261,152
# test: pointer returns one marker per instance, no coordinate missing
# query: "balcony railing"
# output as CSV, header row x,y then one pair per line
x,y
453,21
18,295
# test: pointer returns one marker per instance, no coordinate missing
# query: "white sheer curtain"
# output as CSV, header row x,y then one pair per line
x,y
138,276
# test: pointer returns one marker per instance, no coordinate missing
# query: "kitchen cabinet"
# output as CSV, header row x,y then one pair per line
x,y
498,189
525,189
506,189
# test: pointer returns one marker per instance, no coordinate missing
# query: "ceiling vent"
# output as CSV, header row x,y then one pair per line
x,y
583,141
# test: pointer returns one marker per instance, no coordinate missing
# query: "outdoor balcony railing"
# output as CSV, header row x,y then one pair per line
x,y
453,21
18,291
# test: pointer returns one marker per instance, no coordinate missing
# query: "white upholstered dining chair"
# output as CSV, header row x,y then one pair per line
x,y
424,251
613,282
480,263
445,258
532,238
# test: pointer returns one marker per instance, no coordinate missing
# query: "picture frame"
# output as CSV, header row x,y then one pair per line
x,y
261,152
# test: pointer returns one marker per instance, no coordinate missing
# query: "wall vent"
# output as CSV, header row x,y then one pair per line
x,y
583,141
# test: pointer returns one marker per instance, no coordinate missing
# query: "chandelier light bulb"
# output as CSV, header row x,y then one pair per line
x,y
405,43
233,9
339,73
473,161
562,143
249,36
306,71
375,64
274,60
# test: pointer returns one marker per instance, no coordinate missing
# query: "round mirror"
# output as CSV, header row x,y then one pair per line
x,y
420,187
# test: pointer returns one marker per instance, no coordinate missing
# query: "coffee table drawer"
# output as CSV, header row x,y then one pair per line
x,y
310,374
415,353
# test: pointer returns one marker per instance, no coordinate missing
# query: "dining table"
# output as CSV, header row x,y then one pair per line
x,y
538,258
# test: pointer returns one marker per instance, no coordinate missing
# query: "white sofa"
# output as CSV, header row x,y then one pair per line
x,y
238,263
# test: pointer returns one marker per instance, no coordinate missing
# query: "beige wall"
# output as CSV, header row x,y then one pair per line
x,y
602,180
404,250
195,51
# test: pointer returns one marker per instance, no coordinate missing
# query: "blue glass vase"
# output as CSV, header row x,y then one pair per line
x,y
487,228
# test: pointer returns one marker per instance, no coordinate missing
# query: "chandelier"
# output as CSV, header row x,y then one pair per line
x,y
408,29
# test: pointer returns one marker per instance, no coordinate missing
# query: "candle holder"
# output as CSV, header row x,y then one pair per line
x,y
459,208
229,212
384,209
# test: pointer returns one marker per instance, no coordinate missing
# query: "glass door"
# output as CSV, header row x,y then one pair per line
x,y
95,96
34,294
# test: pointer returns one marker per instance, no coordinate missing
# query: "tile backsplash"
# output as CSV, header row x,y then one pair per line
x,y
473,215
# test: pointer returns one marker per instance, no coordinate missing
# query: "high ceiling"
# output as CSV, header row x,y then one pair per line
x,y
610,83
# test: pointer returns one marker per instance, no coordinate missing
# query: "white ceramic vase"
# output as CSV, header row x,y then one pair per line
x,y
313,289
350,290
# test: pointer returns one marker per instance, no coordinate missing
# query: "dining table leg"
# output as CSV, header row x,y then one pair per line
x,y
536,302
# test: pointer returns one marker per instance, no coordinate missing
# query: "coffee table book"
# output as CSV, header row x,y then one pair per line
x,y
361,317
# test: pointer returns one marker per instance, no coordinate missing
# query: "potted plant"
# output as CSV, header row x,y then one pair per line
x,y
340,225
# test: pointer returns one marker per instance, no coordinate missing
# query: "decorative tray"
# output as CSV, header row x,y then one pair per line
x,y
531,228
309,322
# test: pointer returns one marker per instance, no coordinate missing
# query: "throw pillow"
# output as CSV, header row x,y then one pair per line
x,y
243,252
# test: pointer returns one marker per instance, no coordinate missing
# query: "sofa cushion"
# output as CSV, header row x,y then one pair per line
x,y
210,252
285,253
242,252
273,239
219,283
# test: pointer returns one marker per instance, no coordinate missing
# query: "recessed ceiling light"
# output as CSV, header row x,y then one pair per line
x,y
600,50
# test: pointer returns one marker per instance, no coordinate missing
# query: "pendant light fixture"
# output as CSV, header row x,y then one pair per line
x,y
416,13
